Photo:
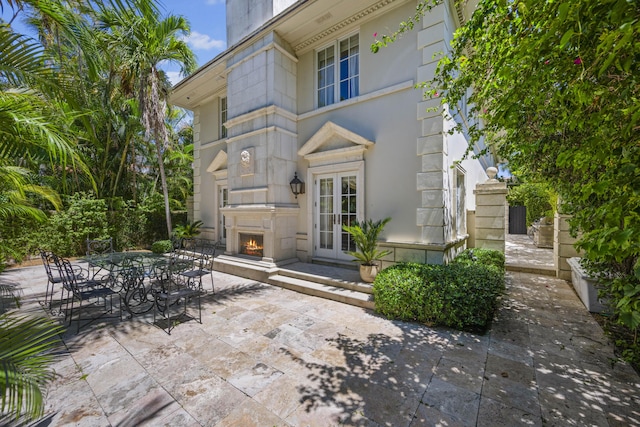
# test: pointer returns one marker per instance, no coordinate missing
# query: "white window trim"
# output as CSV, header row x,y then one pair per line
x,y
459,171
336,81
221,125
219,184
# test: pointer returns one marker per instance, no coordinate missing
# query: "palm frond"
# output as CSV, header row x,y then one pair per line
x,y
26,351
22,60
29,128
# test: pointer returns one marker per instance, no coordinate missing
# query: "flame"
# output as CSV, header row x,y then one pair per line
x,y
251,247
252,244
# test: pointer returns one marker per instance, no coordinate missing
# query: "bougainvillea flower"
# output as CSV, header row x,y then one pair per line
x,y
577,61
375,35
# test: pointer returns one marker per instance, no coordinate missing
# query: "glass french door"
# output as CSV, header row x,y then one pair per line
x,y
336,202
223,200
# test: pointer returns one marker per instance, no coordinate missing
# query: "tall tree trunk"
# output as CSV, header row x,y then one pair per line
x,y
153,116
165,190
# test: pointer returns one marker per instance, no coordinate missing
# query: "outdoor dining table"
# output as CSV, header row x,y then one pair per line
x,y
136,276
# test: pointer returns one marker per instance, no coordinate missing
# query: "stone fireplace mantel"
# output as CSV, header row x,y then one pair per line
x,y
276,225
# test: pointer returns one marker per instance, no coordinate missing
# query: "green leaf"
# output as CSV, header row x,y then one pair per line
x,y
565,38
563,9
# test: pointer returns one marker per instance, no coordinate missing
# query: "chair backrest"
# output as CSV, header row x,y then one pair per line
x,y
202,252
99,246
208,251
48,259
176,242
187,252
69,279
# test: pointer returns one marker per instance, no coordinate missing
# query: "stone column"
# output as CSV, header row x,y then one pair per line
x,y
562,246
491,212
432,179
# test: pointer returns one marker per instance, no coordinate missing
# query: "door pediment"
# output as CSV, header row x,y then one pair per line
x,y
218,166
334,144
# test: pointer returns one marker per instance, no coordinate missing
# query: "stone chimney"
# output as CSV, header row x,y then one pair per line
x,y
245,16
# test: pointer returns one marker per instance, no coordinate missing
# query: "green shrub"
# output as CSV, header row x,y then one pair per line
x,y
66,231
463,295
487,257
398,291
128,225
162,247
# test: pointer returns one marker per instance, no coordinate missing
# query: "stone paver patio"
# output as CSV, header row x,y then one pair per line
x,y
266,356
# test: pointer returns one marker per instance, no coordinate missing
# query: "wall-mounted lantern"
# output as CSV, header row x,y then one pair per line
x,y
297,186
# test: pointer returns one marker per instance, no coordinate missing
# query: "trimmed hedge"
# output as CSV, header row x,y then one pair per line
x,y
462,295
162,247
486,257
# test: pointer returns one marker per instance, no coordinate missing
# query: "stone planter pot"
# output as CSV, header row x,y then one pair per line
x,y
586,287
368,273
543,236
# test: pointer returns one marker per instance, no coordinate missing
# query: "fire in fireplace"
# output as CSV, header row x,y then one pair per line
x,y
251,244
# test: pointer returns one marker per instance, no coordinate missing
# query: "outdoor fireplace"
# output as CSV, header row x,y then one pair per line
x,y
251,244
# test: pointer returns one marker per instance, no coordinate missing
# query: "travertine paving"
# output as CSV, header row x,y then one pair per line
x,y
265,356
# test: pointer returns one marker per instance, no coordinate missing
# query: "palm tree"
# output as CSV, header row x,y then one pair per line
x,y
142,40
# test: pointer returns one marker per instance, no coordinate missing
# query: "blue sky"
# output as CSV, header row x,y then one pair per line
x,y
208,30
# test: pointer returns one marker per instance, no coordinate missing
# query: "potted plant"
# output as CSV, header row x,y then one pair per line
x,y
364,235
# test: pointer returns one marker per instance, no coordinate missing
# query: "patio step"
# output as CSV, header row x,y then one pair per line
x,y
332,276
323,287
531,269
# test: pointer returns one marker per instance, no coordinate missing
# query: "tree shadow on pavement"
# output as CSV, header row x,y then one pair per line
x,y
381,378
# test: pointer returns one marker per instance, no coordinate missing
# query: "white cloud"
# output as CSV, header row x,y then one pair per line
x,y
174,77
201,41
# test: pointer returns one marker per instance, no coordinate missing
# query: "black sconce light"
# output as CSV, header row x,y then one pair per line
x,y
297,186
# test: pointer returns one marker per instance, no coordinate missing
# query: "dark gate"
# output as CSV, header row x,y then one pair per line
x,y
517,220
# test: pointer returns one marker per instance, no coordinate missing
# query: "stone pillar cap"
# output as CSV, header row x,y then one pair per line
x,y
491,173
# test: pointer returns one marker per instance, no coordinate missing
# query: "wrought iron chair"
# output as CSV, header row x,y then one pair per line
x,y
99,247
49,260
201,254
84,290
54,276
171,301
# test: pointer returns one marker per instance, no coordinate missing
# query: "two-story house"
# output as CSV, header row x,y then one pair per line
x,y
299,94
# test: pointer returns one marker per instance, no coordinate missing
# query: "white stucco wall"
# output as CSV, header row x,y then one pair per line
x,y
389,121
209,122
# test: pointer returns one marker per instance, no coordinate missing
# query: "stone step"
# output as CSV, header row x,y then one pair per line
x,y
330,279
532,269
323,290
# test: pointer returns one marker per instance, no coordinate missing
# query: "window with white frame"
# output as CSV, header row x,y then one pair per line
x,y
461,207
338,78
223,117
